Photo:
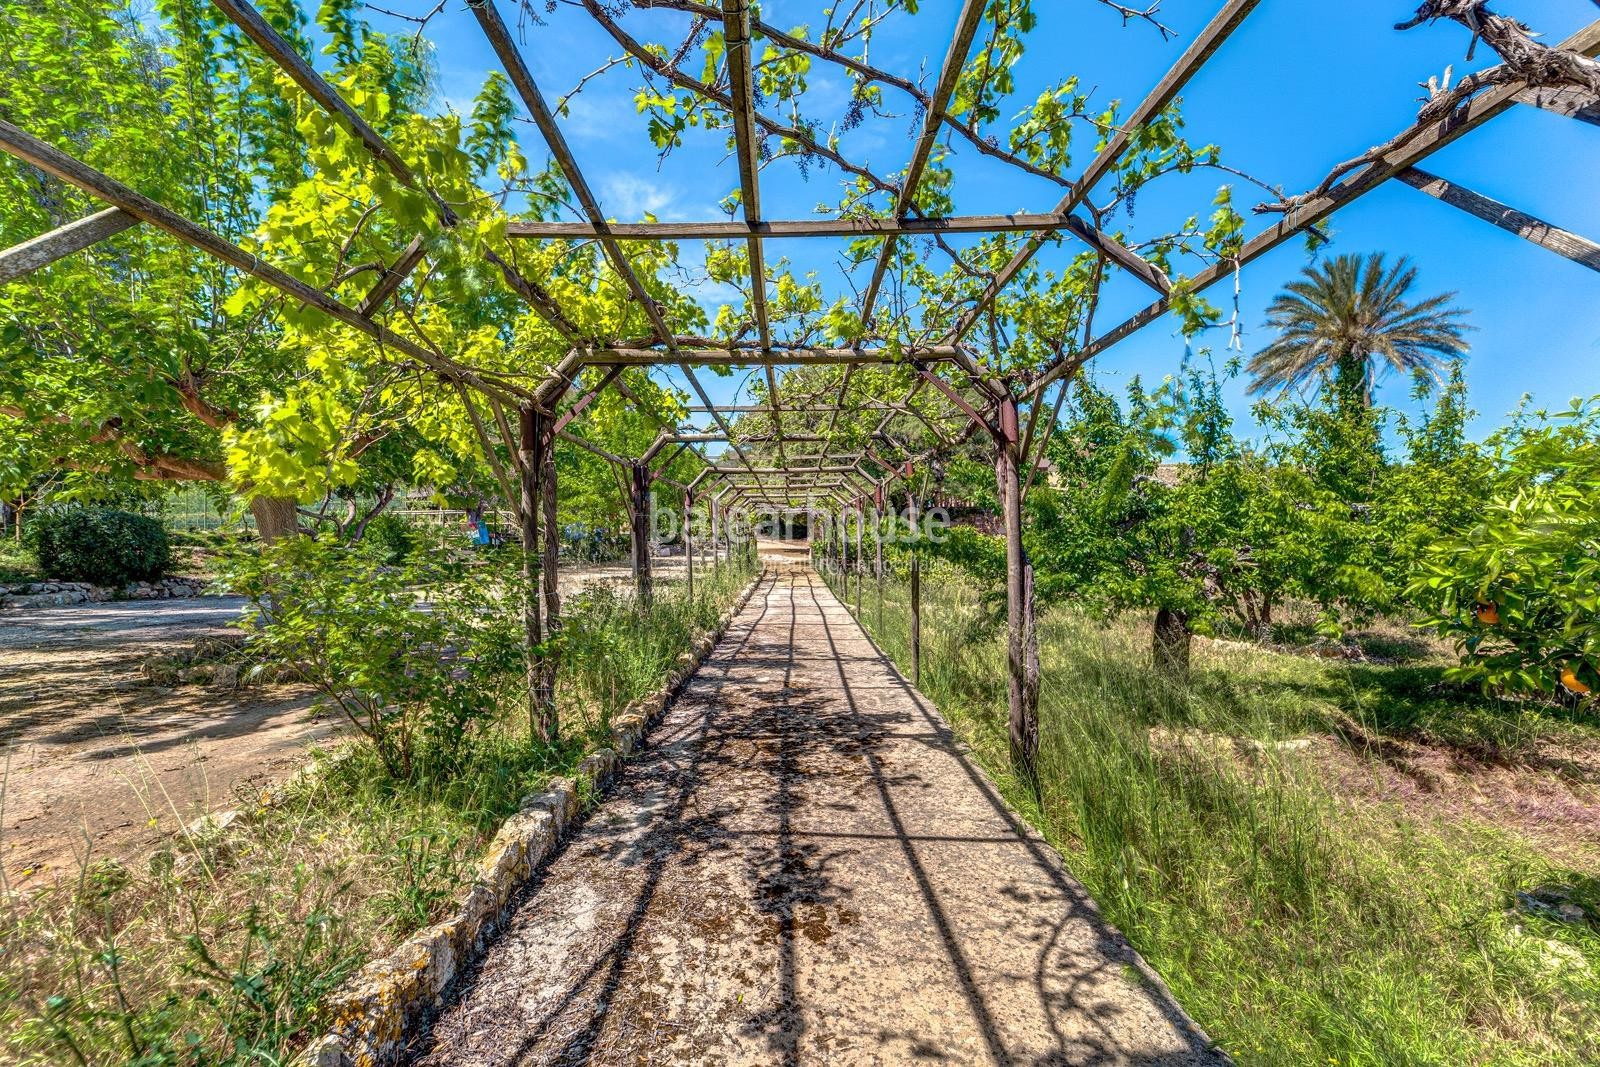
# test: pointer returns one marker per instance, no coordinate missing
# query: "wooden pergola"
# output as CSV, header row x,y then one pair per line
x,y
1005,412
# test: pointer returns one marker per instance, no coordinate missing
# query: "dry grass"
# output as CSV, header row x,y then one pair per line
x,y
1302,908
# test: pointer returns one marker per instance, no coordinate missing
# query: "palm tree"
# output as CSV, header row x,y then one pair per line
x,y
1349,314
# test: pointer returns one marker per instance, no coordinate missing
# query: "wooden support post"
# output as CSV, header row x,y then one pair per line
x,y
688,541
1022,651
916,616
639,532
858,567
877,550
552,543
716,549
542,724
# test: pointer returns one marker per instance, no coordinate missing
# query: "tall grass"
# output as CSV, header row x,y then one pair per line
x,y
1296,925
218,949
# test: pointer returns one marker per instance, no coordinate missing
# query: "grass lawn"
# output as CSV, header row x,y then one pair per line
x,y
1323,859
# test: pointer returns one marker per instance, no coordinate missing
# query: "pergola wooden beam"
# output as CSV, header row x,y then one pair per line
x,y
1571,102
1413,145
1580,250
741,85
74,172
750,357
788,228
63,241
505,49
1199,52
393,278
905,201
254,26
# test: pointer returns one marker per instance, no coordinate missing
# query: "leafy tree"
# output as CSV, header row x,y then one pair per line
x,y
1350,315
125,360
1519,592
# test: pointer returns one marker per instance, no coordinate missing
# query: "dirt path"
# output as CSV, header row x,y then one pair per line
x,y
97,763
804,869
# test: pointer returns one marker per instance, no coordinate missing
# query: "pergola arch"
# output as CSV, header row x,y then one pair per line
x,y
849,470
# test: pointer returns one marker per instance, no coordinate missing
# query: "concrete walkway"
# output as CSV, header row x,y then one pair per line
x,y
804,869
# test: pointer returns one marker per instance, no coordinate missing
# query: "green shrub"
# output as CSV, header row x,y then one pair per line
x,y
390,538
420,679
99,545
1519,593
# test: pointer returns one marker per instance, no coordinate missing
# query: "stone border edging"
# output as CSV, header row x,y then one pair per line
x,y
380,1006
46,593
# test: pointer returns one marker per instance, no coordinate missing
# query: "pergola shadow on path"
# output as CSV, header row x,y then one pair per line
x,y
806,868
850,472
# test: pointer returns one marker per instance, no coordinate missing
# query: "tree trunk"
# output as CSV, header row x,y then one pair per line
x,y
276,517
542,722
1022,653
552,542
1171,642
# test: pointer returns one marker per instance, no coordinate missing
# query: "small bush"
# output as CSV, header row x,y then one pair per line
x,y
99,545
390,538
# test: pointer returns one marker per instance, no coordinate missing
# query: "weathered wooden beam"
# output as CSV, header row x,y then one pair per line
x,y
949,73
1120,254
52,160
750,357
1573,103
788,228
1199,52
393,278
587,398
63,241
494,28
956,398
248,19
1414,145
741,88
1563,243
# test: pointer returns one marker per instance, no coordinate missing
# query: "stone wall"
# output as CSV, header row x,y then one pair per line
x,y
56,594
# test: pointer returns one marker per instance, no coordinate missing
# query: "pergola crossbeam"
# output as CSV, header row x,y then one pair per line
x,y
39,252
1412,146
949,73
1564,243
76,173
1570,102
1199,52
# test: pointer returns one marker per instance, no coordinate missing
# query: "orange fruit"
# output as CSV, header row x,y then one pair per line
x,y
1488,614
1573,683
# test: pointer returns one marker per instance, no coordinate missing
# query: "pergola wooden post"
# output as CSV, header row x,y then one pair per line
x,y
688,541
877,548
552,537
914,521
1022,652
857,567
534,442
639,529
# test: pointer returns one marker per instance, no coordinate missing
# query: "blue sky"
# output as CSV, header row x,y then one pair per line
x,y
1297,89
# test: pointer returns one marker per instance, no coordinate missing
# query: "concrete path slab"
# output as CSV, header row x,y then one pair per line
x,y
805,869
